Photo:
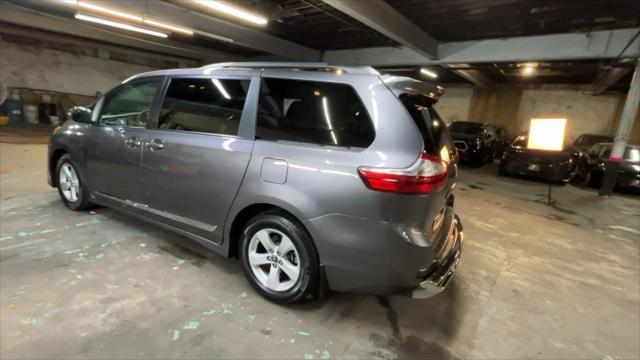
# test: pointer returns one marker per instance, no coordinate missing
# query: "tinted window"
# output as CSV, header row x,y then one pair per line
x,y
204,105
520,142
130,104
588,140
433,130
466,128
312,112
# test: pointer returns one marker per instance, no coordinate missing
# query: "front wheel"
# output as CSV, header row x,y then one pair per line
x,y
70,186
279,258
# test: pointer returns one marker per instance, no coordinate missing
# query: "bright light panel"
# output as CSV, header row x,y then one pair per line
x,y
546,134
119,25
233,11
428,73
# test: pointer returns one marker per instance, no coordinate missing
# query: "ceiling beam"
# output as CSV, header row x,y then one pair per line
x,y
256,39
474,76
38,20
608,78
596,45
380,16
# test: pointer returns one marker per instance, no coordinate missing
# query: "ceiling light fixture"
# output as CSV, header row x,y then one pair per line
x,y
428,73
233,11
120,25
123,15
84,5
528,69
168,27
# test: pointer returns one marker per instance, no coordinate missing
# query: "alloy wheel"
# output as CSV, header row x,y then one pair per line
x,y
69,183
274,259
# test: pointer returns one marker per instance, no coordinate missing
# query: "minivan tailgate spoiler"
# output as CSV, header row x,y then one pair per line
x,y
401,85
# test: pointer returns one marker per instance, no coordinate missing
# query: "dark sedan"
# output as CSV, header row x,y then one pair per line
x,y
542,164
592,166
583,143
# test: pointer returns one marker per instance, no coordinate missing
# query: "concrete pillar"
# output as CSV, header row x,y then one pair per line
x,y
624,128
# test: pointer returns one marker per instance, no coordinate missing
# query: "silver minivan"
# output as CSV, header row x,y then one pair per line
x,y
317,177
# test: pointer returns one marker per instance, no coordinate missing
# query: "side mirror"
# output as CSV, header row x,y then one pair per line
x,y
80,114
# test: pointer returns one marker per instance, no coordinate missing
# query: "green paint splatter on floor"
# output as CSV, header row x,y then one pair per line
x,y
72,251
210,312
308,357
326,355
191,325
99,256
47,231
8,237
25,233
180,262
242,295
176,335
30,321
303,333
251,317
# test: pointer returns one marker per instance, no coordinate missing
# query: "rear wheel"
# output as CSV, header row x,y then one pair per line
x,y
70,186
279,259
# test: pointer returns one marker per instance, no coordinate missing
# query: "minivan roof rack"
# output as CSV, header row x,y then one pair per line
x,y
312,66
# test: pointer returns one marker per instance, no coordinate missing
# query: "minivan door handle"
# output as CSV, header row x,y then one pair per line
x,y
133,142
155,144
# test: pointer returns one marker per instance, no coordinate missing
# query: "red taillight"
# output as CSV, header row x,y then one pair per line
x,y
427,175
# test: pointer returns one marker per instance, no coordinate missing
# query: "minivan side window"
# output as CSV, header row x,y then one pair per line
x,y
130,104
207,105
312,112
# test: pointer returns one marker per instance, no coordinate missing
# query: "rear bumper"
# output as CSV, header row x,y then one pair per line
x,y
441,272
559,172
374,257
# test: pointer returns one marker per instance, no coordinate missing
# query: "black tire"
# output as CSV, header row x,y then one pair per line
x,y
307,284
82,202
502,168
591,179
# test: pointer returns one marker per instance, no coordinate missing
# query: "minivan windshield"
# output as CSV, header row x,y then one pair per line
x,y
463,127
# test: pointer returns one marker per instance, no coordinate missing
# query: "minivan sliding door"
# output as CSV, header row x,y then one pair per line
x,y
194,158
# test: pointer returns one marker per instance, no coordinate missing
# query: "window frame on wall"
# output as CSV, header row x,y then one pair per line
x,y
245,130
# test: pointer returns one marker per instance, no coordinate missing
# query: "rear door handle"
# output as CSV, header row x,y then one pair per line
x,y
155,144
133,142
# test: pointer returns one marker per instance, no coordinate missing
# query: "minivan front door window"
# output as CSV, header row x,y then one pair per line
x,y
130,104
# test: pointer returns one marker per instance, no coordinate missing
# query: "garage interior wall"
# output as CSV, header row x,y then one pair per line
x,y
513,106
24,66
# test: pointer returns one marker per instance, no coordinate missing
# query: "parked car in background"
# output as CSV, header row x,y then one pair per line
x,y
554,166
583,143
593,165
282,165
476,142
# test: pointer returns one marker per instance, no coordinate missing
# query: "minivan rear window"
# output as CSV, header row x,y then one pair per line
x,y
312,112
435,135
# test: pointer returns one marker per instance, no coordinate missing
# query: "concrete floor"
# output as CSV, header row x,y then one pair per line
x,y
534,282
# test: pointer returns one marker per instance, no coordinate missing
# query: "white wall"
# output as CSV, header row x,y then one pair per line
x,y
36,68
454,104
585,113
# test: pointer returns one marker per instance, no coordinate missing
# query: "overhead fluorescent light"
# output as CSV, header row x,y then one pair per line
x,y
233,11
100,9
120,25
428,73
168,27
221,88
